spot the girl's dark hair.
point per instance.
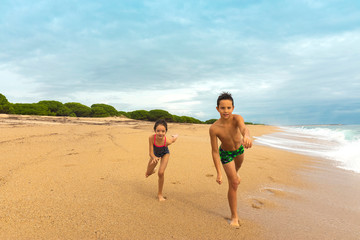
(160, 122)
(225, 96)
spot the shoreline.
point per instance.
(80, 180)
(323, 206)
(328, 203)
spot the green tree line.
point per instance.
(74, 109)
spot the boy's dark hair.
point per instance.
(225, 96)
(160, 122)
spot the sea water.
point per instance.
(339, 143)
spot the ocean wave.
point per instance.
(339, 143)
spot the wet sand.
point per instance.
(78, 178)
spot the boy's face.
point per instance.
(225, 108)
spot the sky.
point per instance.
(284, 61)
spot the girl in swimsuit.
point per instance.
(159, 151)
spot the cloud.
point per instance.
(277, 58)
(16, 88)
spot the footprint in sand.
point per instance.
(176, 182)
(260, 203)
(273, 191)
(2, 181)
(72, 152)
(257, 204)
(271, 179)
(209, 175)
(75, 153)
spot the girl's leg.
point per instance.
(233, 179)
(150, 168)
(163, 164)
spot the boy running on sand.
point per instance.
(230, 129)
(159, 151)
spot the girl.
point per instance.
(159, 151)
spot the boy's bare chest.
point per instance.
(229, 133)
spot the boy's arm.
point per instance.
(247, 141)
(215, 154)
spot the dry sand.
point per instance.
(71, 178)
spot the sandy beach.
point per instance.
(79, 178)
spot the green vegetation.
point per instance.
(210, 121)
(73, 109)
(5, 106)
(139, 115)
(157, 114)
(79, 109)
(56, 108)
(31, 109)
(103, 110)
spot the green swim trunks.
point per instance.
(228, 156)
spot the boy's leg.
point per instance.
(238, 161)
(233, 179)
(163, 165)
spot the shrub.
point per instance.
(56, 108)
(210, 121)
(79, 109)
(64, 111)
(185, 119)
(160, 114)
(99, 112)
(3, 100)
(139, 114)
(73, 109)
(53, 106)
(107, 108)
(178, 119)
(31, 109)
(122, 113)
(5, 106)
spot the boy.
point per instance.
(230, 129)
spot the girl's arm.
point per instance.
(153, 158)
(151, 147)
(172, 139)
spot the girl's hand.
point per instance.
(175, 136)
(155, 160)
(172, 139)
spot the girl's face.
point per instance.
(160, 131)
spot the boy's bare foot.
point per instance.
(161, 198)
(146, 174)
(235, 223)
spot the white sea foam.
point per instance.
(340, 143)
